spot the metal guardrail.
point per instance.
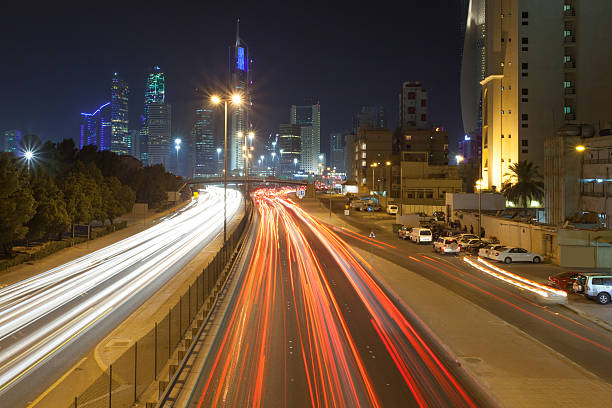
(239, 232)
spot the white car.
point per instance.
(484, 252)
(404, 232)
(420, 235)
(447, 245)
(509, 255)
(392, 209)
(465, 238)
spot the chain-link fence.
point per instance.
(140, 365)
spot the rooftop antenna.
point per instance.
(238, 31)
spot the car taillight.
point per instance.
(496, 253)
(459, 246)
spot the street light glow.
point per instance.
(459, 158)
(177, 141)
(218, 150)
(580, 148)
(251, 135)
(215, 99)
(29, 155)
(236, 99)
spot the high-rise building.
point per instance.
(473, 67)
(96, 127)
(290, 148)
(523, 65)
(159, 133)
(432, 142)
(336, 152)
(155, 88)
(370, 146)
(240, 77)
(135, 142)
(370, 117)
(308, 117)
(10, 141)
(120, 138)
(413, 106)
(204, 143)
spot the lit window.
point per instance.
(363, 146)
(363, 163)
(567, 109)
(363, 155)
(408, 137)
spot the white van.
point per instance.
(421, 235)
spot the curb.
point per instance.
(588, 316)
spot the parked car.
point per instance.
(404, 232)
(509, 255)
(420, 235)
(447, 245)
(597, 287)
(473, 245)
(485, 251)
(464, 238)
(564, 280)
(392, 209)
(357, 204)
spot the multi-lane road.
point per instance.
(48, 322)
(308, 326)
(571, 335)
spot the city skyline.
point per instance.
(279, 81)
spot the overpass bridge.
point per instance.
(250, 180)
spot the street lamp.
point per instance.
(295, 161)
(218, 153)
(580, 148)
(29, 156)
(177, 146)
(373, 165)
(236, 99)
(273, 154)
(459, 158)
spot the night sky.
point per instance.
(57, 62)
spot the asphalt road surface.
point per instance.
(308, 327)
(573, 336)
(48, 322)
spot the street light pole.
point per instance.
(225, 175)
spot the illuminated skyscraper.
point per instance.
(159, 133)
(290, 148)
(10, 140)
(120, 140)
(96, 127)
(308, 117)
(155, 89)
(239, 61)
(204, 141)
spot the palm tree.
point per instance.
(525, 184)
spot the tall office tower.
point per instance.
(155, 92)
(370, 117)
(159, 134)
(120, 138)
(336, 151)
(473, 68)
(204, 143)
(134, 136)
(240, 81)
(290, 148)
(96, 127)
(11, 139)
(413, 106)
(308, 117)
(522, 90)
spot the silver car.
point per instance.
(598, 287)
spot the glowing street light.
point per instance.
(459, 158)
(236, 99)
(29, 156)
(580, 148)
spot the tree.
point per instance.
(51, 215)
(83, 195)
(117, 199)
(525, 184)
(16, 202)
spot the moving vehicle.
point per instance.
(484, 252)
(392, 209)
(597, 287)
(509, 255)
(357, 204)
(404, 232)
(465, 238)
(420, 235)
(447, 245)
(564, 280)
(473, 245)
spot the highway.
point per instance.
(308, 327)
(49, 321)
(569, 334)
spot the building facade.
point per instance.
(240, 82)
(308, 118)
(96, 128)
(425, 184)
(372, 117)
(121, 142)
(155, 93)
(413, 106)
(336, 152)
(434, 142)
(10, 140)
(522, 89)
(205, 159)
(290, 148)
(159, 133)
(372, 148)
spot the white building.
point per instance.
(308, 117)
(413, 106)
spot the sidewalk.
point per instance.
(518, 370)
(381, 224)
(31, 268)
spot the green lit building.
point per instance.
(120, 139)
